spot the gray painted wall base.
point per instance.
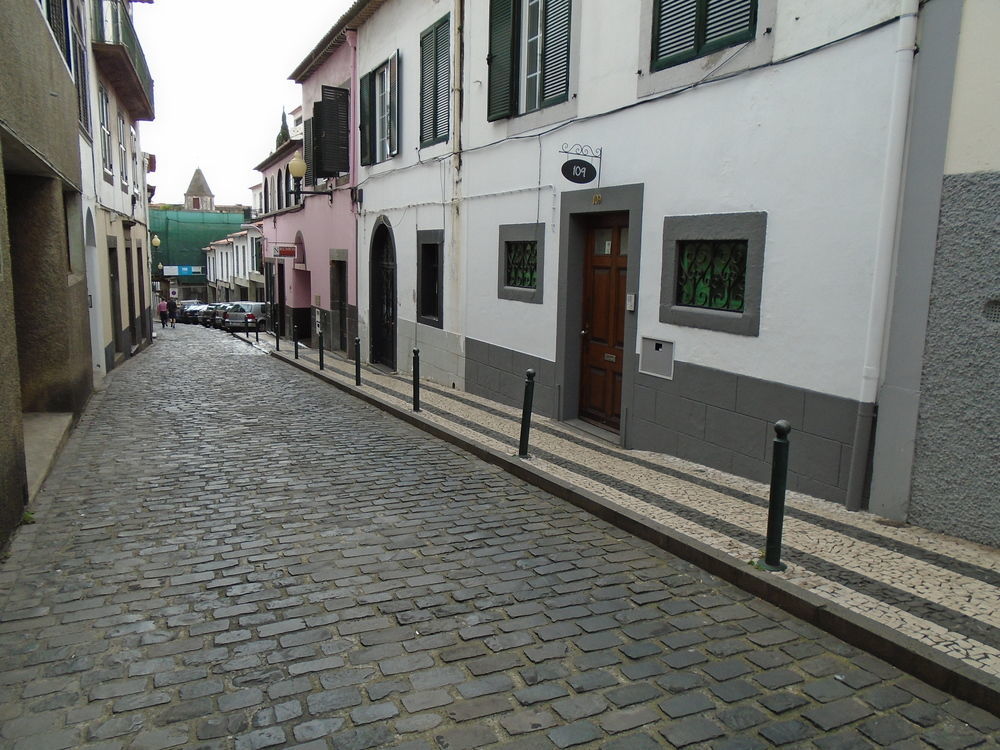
(711, 417)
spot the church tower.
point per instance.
(198, 196)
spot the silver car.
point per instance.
(252, 315)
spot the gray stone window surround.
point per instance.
(749, 226)
(752, 54)
(430, 237)
(521, 233)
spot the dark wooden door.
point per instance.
(603, 336)
(383, 301)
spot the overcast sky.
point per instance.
(220, 70)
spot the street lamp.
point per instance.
(297, 169)
(155, 242)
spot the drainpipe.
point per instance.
(892, 181)
(458, 104)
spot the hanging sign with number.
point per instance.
(578, 170)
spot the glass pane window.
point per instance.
(107, 158)
(521, 264)
(603, 241)
(531, 58)
(382, 113)
(122, 150)
(711, 274)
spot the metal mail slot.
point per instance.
(609, 357)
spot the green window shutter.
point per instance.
(501, 95)
(394, 102)
(331, 118)
(729, 22)
(428, 87)
(674, 31)
(555, 51)
(367, 139)
(309, 148)
(442, 38)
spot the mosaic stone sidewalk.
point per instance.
(939, 590)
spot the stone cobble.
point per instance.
(231, 554)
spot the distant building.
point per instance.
(183, 232)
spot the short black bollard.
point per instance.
(776, 501)
(416, 380)
(529, 393)
(277, 338)
(357, 361)
(319, 332)
(256, 331)
(246, 328)
(295, 338)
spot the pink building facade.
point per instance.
(310, 241)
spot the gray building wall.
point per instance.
(44, 327)
(956, 475)
(715, 418)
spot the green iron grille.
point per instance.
(711, 274)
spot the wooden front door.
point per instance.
(605, 271)
(383, 300)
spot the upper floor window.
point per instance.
(80, 72)
(105, 114)
(435, 82)
(529, 55)
(123, 152)
(686, 29)
(328, 135)
(380, 112)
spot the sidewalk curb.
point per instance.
(939, 670)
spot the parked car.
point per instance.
(190, 313)
(208, 312)
(220, 314)
(253, 314)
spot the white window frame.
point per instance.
(104, 106)
(530, 33)
(383, 94)
(122, 151)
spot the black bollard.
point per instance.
(776, 501)
(295, 338)
(357, 361)
(416, 380)
(529, 393)
(319, 332)
(246, 327)
(256, 331)
(277, 339)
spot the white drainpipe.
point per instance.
(892, 180)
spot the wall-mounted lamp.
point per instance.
(297, 169)
(155, 242)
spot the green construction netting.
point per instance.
(183, 234)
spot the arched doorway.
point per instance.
(383, 295)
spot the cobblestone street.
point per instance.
(232, 554)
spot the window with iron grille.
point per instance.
(520, 263)
(435, 83)
(430, 277)
(686, 29)
(711, 274)
(713, 271)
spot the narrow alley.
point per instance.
(232, 554)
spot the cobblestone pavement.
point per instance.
(941, 591)
(230, 554)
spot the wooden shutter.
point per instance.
(428, 86)
(674, 27)
(729, 21)
(442, 38)
(394, 104)
(501, 98)
(556, 17)
(367, 126)
(331, 125)
(307, 145)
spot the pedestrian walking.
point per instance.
(172, 312)
(162, 309)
